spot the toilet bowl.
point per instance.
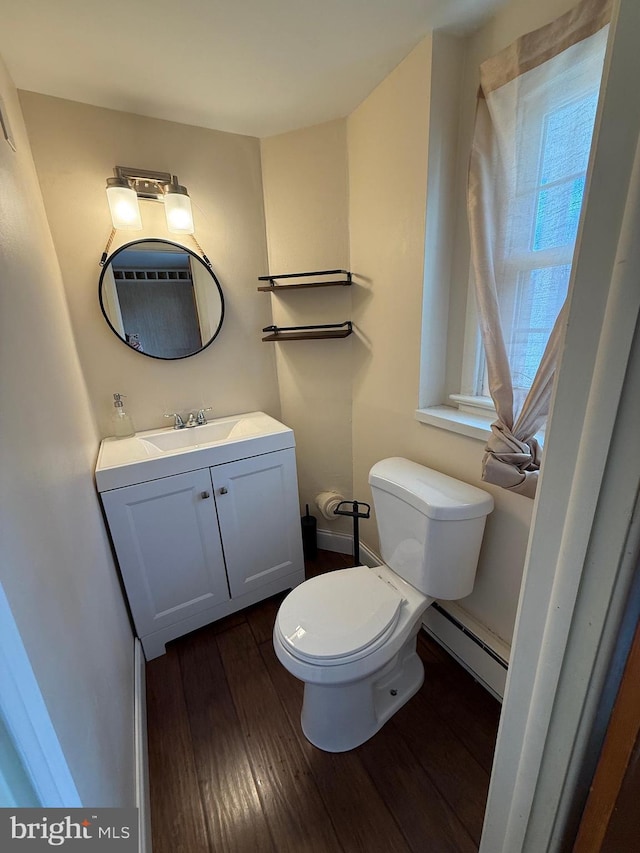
(363, 666)
(350, 635)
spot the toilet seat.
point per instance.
(339, 617)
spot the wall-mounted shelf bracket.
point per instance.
(274, 285)
(308, 333)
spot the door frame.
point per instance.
(27, 720)
(581, 554)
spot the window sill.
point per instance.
(476, 426)
(472, 424)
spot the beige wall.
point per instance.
(350, 193)
(56, 566)
(305, 194)
(388, 142)
(75, 148)
(352, 402)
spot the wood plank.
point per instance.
(622, 828)
(327, 561)
(225, 741)
(427, 820)
(177, 818)
(615, 759)
(227, 622)
(344, 784)
(463, 704)
(290, 799)
(454, 771)
(262, 617)
(228, 791)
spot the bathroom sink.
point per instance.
(178, 439)
(152, 454)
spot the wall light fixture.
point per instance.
(128, 185)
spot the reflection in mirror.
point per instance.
(161, 299)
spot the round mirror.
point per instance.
(161, 299)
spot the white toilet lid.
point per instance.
(338, 614)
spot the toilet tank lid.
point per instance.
(434, 494)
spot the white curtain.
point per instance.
(522, 230)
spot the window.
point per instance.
(527, 177)
(541, 234)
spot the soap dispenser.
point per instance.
(122, 423)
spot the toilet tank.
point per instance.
(430, 526)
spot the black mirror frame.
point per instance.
(194, 255)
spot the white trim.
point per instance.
(474, 421)
(27, 719)
(474, 362)
(474, 404)
(143, 801)
(464, 423)
(369, 557)
(341, 543)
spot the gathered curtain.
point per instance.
(511, 218)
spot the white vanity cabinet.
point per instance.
(196, 546)
(259, 518)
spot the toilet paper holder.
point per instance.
(356, 514)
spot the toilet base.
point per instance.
(341, 717)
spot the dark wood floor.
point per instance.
(231, 771)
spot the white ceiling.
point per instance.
(256, 67)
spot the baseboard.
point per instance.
(475, 648)
(342, 543)
(143, 802)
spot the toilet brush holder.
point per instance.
(309, 536)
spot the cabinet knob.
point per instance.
(223, 490)
(204, 495)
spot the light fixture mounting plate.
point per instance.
(146, 183)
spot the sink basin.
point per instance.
(159, 453)
(179, 439)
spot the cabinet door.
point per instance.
(259, 515)
(168, 544)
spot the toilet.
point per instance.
(350, 635)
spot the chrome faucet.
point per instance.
(193, 420)
(201, 418)
(178, 423)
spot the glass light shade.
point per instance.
(177, 208)
(125, 212)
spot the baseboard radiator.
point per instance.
(484, 656)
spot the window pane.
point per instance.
(566, 133)
(541, 293)
(567, 139)
(558, 214)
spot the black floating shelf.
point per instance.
(308, 333)
(273, 280)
